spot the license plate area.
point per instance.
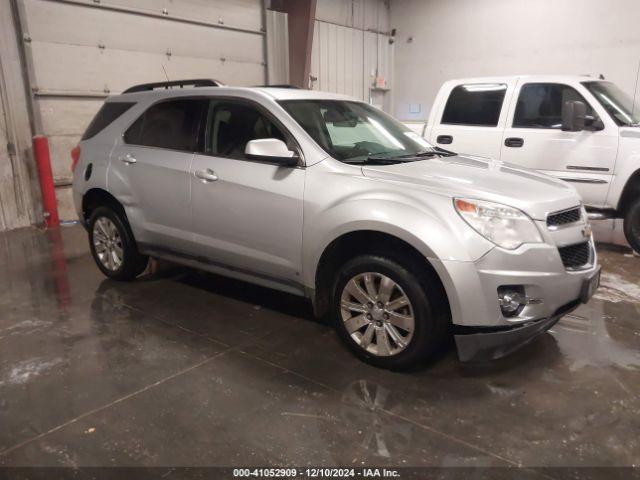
(590, 286)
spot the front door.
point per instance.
(247, 215)
(534, 138)
(149, 172)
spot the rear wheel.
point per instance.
(387, 314)
(113, 246)
(632, 225)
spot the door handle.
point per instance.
(207, 175)
(128, 159)
(514, 142)
(445, 139)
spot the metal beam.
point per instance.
(301, 20)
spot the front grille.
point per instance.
(575, 256)
(565, 217)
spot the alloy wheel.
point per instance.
(377, 314)
(108, 244)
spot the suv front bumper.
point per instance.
(481, 330)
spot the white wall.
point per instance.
(462, 38)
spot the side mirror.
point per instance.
(597, 125)
(573, 116)
(271, 150)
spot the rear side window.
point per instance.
(173, 124)
(105, 116)
(540, 105)
(475, 104)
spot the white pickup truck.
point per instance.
(580, 129)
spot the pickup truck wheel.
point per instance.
(113, 247)
(388, 315)
(632, 225)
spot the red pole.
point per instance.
(45, 174)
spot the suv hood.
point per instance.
(534, 193)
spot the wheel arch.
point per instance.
(364, 241)
(98, 197)
(630, 191)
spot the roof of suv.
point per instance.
(274, 93)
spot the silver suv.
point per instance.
(399, 243)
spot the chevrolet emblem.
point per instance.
(586, 231)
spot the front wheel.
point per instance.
(389, 315)
(632, 225)
(113, 246)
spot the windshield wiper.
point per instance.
(384, 159)
(436, 151)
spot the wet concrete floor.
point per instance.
(187, 368)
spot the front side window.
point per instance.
(618, 104)
(540, 105)
(475, 104)
(355, 131)
(171, 124)
(233, 124)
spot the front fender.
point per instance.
(434, 229)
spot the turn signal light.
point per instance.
(75, 157)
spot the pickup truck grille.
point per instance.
(576, 256)
(565, 217)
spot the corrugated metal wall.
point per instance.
(18, 180)
(81, 50)
(351, 48)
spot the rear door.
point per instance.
(472, 119)
(247, 214)
(534, 138)
(149, 172)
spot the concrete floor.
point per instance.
(186, 368)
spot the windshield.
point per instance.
(355, 132)
(617, 103)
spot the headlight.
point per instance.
(505, 226)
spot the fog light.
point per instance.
(512, 299)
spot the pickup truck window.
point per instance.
(475, 104)
(354, 131)
(617, 103)
(540, 105)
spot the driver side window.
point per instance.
(540, 106)
(233, 124)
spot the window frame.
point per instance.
(167, 100)
(519, 92)
(291, 141)
(477, 125)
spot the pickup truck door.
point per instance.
(470, 118)
(246, 214)
(534, 139)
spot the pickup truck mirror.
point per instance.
(573, 116)
(271, 150)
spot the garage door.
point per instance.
(82, 50)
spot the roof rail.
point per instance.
(278, 86)
(199, 82)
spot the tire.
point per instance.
(109, 233)
(427, 305)
(632, 225)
